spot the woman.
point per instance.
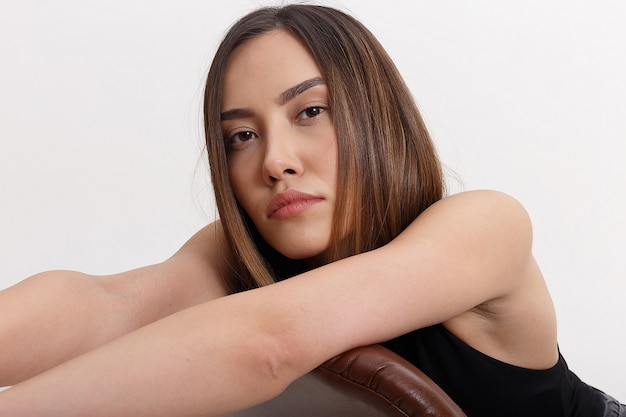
(323, 174)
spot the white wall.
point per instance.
(99, 134)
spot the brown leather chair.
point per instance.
(370, 381)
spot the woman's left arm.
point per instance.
(237, 351)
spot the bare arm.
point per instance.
(239, 350)
(57, 315)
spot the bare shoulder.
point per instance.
(205, 246)
(203, 257)
(475, 221)
(201, 263)
(488, 205)
(193, 275)
(492, 232)
(487, 233)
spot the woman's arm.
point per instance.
(240, 350)
(56, 315)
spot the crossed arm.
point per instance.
(54, 316)
(163, 350)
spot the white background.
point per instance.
(101, 167)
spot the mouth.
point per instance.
(290, 204)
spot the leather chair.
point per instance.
(369, 381)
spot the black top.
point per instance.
(486, 387)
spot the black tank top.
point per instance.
(486, 387)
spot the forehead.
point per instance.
(266, 64)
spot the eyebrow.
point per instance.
(283, 98)
(298, 89)
(235, 114)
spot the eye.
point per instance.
(311, 112)
(240, 137)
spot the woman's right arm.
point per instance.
(54, 316)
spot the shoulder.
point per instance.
(476, 243)
(193, 275)
(203, 256)
(485, 204)
(480, 219)
(491, 232)
(207, 243)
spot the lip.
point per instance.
(289, 204)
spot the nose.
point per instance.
(281, 159)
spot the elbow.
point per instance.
(275, 362)
(276, 355)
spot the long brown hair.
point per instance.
(388, 169)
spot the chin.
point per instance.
(301, 252)
(299, 243)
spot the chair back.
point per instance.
(369, 381)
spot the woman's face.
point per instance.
(281, 142)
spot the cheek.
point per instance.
(329, 160)
(238, 183)
(245, 183)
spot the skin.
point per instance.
(164, 340)
(278, 144)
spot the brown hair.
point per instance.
(389, 171)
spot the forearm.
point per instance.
(202, 361)
(52, 317)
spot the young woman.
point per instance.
(329, 189)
